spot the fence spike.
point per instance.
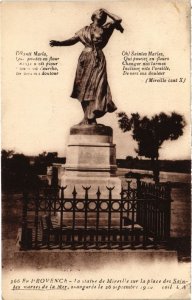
(74, 193)
(122, 192)
(62, 192)
(86, 188)
(86, 191)
(98, 192)
(129, 181)
(62, 187)
(110, 188)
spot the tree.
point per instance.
(43, 160)
(6, 157)
(17, 173)
(6, 154)
(15, 168)
(150, 133)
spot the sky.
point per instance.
(37, 111)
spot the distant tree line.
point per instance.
(179, 166)
(19, 171)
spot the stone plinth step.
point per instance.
(91, 259)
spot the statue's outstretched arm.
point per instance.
(70, 42)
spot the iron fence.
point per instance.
(140, 218)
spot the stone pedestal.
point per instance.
(91, 161)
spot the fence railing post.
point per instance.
(86, 219)
(61, 218)
(55, 195)
(97, 217)
(121, 218)
(48, 221)
(109, 216)
(128, 186)
(132, 223)
(36, 218)
(73, 221)
(24, 237)
(168, 211)
(157, 228)
(138, 187)
(145, 229)
(138, 204)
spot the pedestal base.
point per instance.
(91, 162)
(94, 182)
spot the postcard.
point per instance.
(96, 149)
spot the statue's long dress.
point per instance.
(91, 87)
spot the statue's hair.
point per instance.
(104, 16)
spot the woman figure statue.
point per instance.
(91, 87)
